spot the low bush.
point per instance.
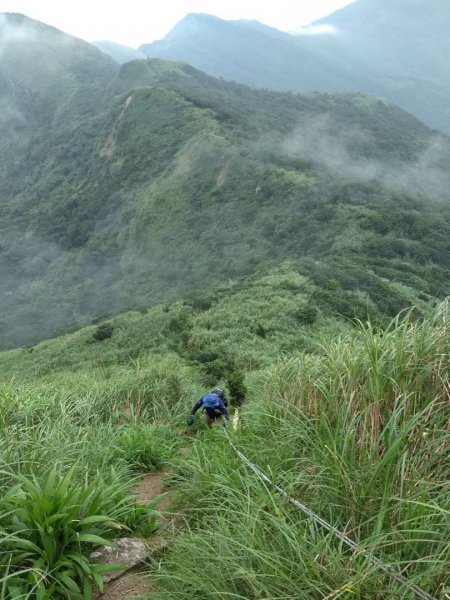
(146, 448)
(103, 332)
(49, 527)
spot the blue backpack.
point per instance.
(212, 401)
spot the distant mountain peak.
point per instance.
(203, 17)
(20, 20)
(193, 22)
(118, 52)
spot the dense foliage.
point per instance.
(264, 242)
(165, 181)
(395, 49)
(359, 433)
(352, 420)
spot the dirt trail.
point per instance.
(150, 486)
(134, 583)
(110, 145)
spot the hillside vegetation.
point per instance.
(165, 181)
(290, 249)
(396, 49)
(350, 419)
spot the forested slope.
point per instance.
(396, 49)
(146, 182)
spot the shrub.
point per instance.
(306, 315)
(236, 386)
(103, 332)
(260, 330)
(49, 528)
(146, 448)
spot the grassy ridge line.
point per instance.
(248, 322)
(314, 423)
(251, 322)
(360, 433)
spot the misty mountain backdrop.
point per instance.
(123, 186)
(397, 49)
(121, 54)
(176, 233)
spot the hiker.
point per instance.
(214, 406)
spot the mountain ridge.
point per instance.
(288, 249)
(118, 52)
(236, 40)
(109, 199)
(266, 58)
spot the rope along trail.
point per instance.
(419, 592)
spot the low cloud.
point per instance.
(13, 30)
(344, 152)
(10, 114)
(318, 140)
(317, 30)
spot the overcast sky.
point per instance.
(134, 22)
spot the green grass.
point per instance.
(359, 433)
(165, 182)
(353, 423)
(251, 321)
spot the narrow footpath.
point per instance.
(135, 582)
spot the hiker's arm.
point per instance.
(226, 413)
(197, 406)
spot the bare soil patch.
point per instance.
(150, 487)
(132, 585)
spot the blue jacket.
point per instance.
(213, 412)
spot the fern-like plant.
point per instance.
(47, 531)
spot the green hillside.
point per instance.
(395, 49)
(247, 323)
(164, 181)
(183, 233)
(348, 418)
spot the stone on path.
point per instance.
(129, 552)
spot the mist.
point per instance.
(343, 151)
(317, 30)
(10, 115)
(14, 32)
(46, 289)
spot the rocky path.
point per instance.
(134, 583)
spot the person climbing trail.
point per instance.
(214, 406)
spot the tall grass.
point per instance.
(98, 429)
(359, 432)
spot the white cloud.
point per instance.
(137, 22)
(341, 151)
(317, 30)
(10, 34)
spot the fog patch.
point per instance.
(14, 31)
(343, 151)
(10, 114)
(317, 139)
(46, 290)
(317, 30)
(430, 173)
